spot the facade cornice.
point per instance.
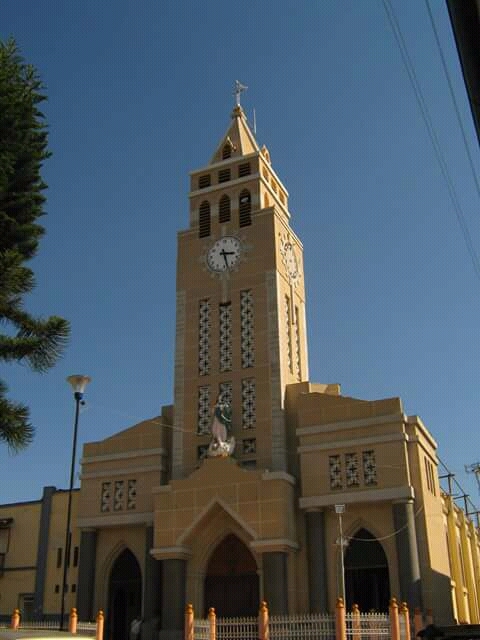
(357, 497)
(358, 423)
(115, 520)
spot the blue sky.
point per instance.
(140, 93)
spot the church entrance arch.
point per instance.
(124, 596)
(231, 581)
(367, 580)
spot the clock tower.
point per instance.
(240, 328)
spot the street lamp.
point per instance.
(78, 385)
(340, 510)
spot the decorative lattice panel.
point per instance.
(352, 471)
(249, 403)
(118, 495)
(132, 494)
(369, 467)
(204, 327)
(247, 329)
(204, 417)
(225, 391)
(225, 313)
(335, 471)
(249, 446)
(288, 322)
(106, 496)
(298, 355)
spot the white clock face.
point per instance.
(290, 261)
(224, 254)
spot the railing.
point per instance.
(237, 628)
(367, 626)
(93, 629)
(309, 626)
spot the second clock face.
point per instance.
(224, 254)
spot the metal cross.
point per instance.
(239, 87)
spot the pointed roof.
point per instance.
(238, 136)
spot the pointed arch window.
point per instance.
(226, 151)
(224, 209)
(245, 208)
(204, 220)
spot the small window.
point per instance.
(59, 557)
(57, 588)
(224, 209)
(224, 175)
(244, 169)
(227, 151)
(204, 221)
(245, 209)
(75, 556)
(74, 588)
(204, 181)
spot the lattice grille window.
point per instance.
(118, 495)
(335, 472)
(224, 209)
(204, 326)
(243, 169)
(204, 181)
(247, 329)
(204, 417)
(204, 220)
(225, 391)
(369, 467)
(224, 175)
(225, 312)
(249, 403)
(132, 494)
(245, 209)
(298, 358)
(352, 471)
(288, 321)
(105, 498)
(227, 150)
(249, 446)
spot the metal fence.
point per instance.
(367, 626)
(302, 627)
(237, 628)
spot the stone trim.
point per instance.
(349, 424)
(125, 471)
(274, 544)
(340, 444)
(134, 453)
(279, 475)
(115, 520)
(355, 497)
(171, 553)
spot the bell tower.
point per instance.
(240, 325)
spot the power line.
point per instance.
(410, 69)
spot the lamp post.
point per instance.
(78, 385)
(340, 510)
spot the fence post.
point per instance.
(340, 623)
(394, 622)
(212, 624)
(189, 622)
(100, 623)
(72, 621)
(417, 620)
(15, 621)
(405, 620)
(355, 622)
(263, 630)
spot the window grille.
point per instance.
(204, 220)
(204, 181)
(224, 175)
(245, 209)
(244, 169)
(227, 151)
(224, 209)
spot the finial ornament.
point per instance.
(239, 87)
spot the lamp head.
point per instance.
(78, 384)
(339, 509)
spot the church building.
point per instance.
(256, 480)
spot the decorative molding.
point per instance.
(133, 453)
(354, 442)
(125, 471)
(279, 475)
(171, 553)
(274, 544)
(115, 520)
(349, 424)
(357, 497)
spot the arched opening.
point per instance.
(231, 581)
(224, 209)
(124, 596)
(367, 580)
(245, 208)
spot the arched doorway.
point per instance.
(124, 596)
(231, 581)
(367, 581)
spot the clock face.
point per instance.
(290, 261)
(224, 254)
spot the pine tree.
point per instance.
(33, 341)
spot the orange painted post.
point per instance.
(15, 621)
(263, 631)
(417, 620)
(394, 621)
(405, 621)
(189, 616)
(340, 622)
(72, 621)
(212, 624)
(355, 622)
(100, 624)
(429, 617)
